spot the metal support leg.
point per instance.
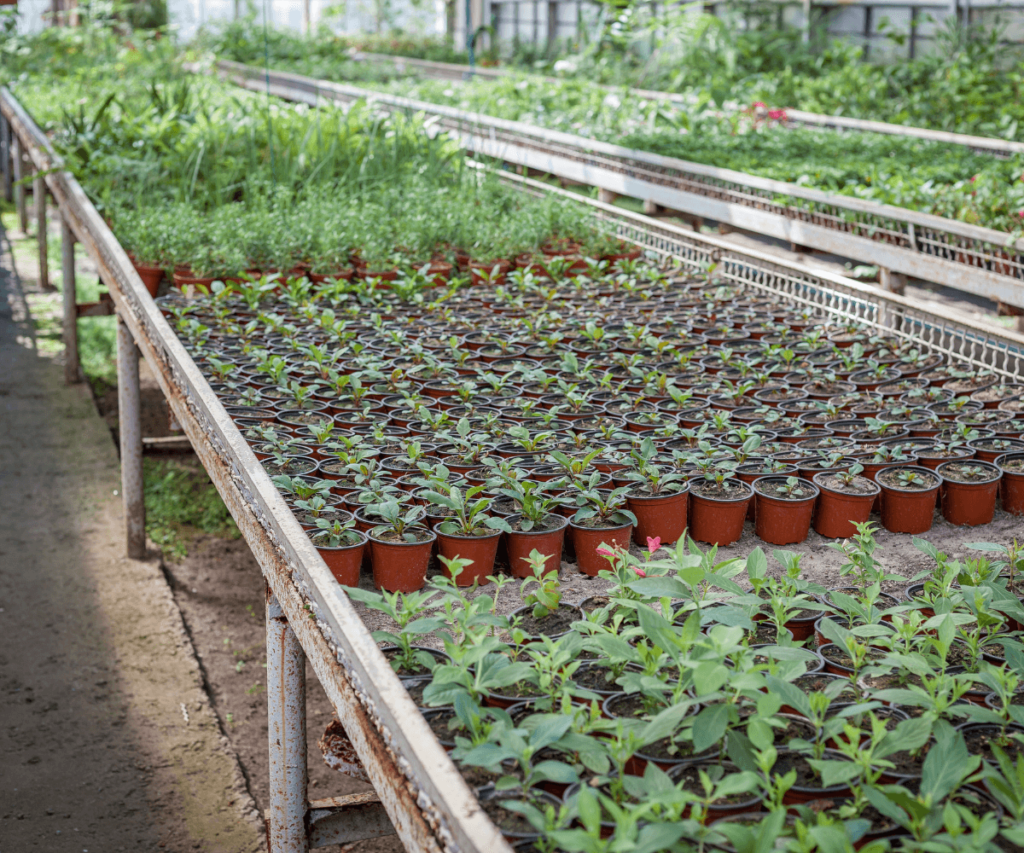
(607, 196)
(19, 187)
(130, 429)
(286, 702)
(5, 156)
(39, 200)
(67, 254)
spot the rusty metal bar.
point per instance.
(39, 200)
(343, 820)
(67, 255)
(129, 428)
(286, 716)
(19, 187)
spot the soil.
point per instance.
(889, 478)
(403, 671)
(689, 779)
(504, 819)
(835, 654)
(596, 678)
(398, 538)
(860, 486)
(550, 522)
(980, 740)
(1013, 465)
(962, 472)
(780, 490)
(816, 682)
(806, 776)
(551, 625)
(723, 492)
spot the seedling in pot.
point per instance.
(300, 488)
(335, 534)
(534, 504)
(405, 526)
(546, 597)
(470, 516)
(601, 508)
(792, 489)
(409, 612)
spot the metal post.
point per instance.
(39, 199)
(286, 707)
(67, 255)
(19, 187)
(5, 156)
(129, 426)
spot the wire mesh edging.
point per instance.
(806, 289)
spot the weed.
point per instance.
(181, 502)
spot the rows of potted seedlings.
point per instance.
(703, 704)
(551, 406)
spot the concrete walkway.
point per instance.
(107, 739)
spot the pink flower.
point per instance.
(777, 115)
(759, 105)
(641, 572)
(974, 179)
(1020, 213)
(605, 552)
(653, 544)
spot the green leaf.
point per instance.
(589, 810)
(556, 771)
(709, 726)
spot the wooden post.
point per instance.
(67, 246)
(19, 187)
(39, 199)
(894, 282)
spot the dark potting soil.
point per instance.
(893, 680)
(980, 741)
(635, 706)
(415, 690)
(906, 764)
(779, 490)
(816, 682)
(890, 478)
(1013, 465)
(552, 522)
(439, 724)
(520, 690)
(860, 486)
(477, 777)
(551, 625)
(405, 669)
(837, 655)
(392, 536)
(504, 819)
(594, 603)
(597, 524)
(806, 775)
(796, 727)
(963, 472)
(596, 678)
(291, 467)
(719, 491)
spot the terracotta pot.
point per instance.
(779, 521)
(588, 539)
(1011, 487)
(401, 566)
(970, 504)
(344, 561)
(716, 521)
(659, 516)
(480, 549)
(837, 511)
(905, 511)
(549, 542)
(151, 276)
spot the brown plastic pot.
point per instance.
(970, 504)
(1011, 487)
(906, 511)
(549, 542)
(400, 566)
(779, 521)
(659, 516)
(344, 561)
(151, 276)
(838, 511)
(717, 521)
(482, 550)
(588, 539)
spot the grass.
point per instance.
(182, 503)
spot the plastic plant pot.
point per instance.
(587, 540)
(782, 520)
(840, 507)
(969, 492)
(482, 550)
(659, 516)
(1011, 487)
(908, 510)
(548, 541)
(344, 561)
(400, 566)
(719, 520)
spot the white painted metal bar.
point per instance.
(286, 716)
(794, 117)
(975, 260)
(129, 428)
(70, 302)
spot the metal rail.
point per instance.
(794, 117)
(426, 799)
(961, 256)
(419, 792)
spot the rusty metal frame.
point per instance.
(975, 260)
(426, 799)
